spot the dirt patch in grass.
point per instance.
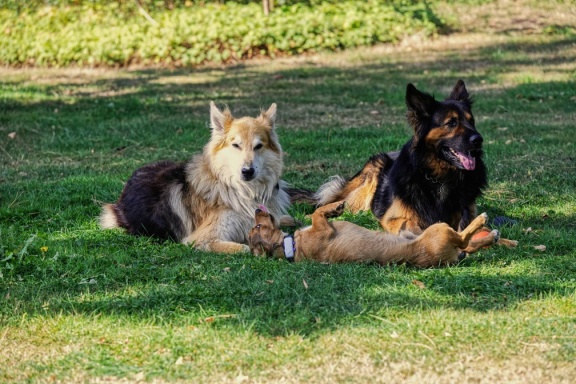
(511, 16)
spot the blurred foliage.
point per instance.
(117, 34)
(27, 5)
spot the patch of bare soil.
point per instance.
(512, 16)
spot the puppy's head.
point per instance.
(265, 238)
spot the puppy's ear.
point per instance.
(420, 105)
(275, 223)
(219, 121)
(270, 115)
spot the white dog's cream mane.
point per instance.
(240, 196)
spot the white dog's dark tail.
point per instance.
(301, 195)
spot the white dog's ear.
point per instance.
(219, 121)
(270, 115)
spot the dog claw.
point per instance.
(335, 212)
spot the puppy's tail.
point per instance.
(109, 217)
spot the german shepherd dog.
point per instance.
(342, 241)
(436, 177)
(208, 201)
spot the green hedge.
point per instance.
(111, 36)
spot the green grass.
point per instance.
(78, 304)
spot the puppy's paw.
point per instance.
(334, 209)
(339, 209)
(484, 217)
(496, 234)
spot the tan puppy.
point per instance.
(342, 241)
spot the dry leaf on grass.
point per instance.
(305, 283)
(210, 319)
(419, 284)
(540, 248)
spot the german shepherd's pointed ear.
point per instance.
(270, 115)
(460, 93)
(420, 105)
(220, 121)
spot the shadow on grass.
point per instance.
(113, 274)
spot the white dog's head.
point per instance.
(244, 150)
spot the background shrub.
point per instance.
(96, 33)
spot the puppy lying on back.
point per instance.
(342, 241)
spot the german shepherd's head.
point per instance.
(444, 131)
(245, 151)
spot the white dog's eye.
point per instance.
(235, 145)
(258, 146)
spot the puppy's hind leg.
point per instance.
(470, 245)
(474, 226)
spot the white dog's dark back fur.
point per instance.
(210, 200)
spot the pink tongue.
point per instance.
(263, 208)
(468, 162)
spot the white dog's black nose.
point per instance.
(247, 173)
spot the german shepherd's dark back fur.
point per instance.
(436, 177)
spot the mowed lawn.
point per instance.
(78, 304)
